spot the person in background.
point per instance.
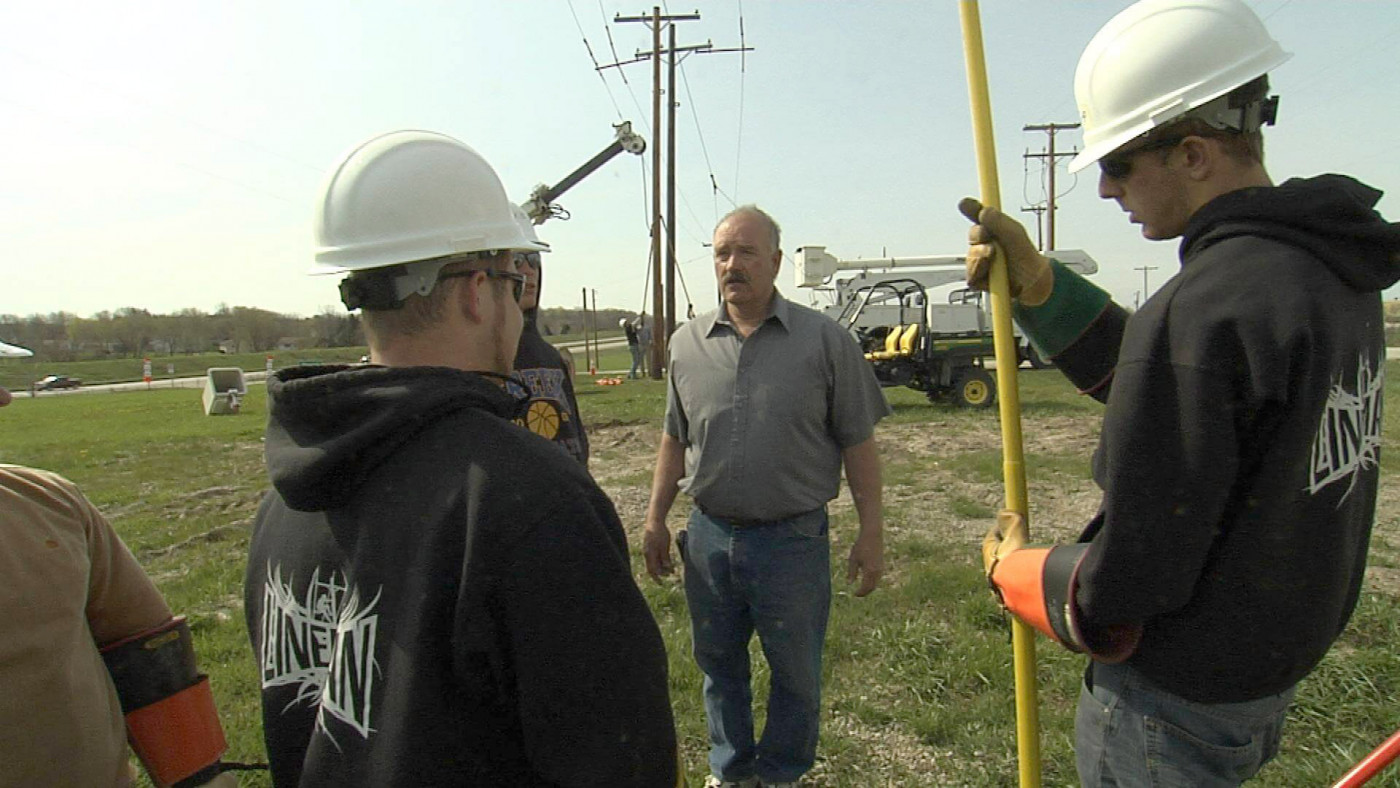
(91, 657)
(435, 596)
(633, 346)
(767, 400)
(1239, 452)
(553, 409)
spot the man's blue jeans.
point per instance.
(1131, 733)
(775, 579)
(636, 360)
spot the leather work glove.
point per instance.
(1006, 535)
(1028, 270)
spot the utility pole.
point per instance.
(1144, 269)
(1050, 157)
(1038, 210)
(664, 292)
(659, 291)
(671, 190)
(597, 352)
(587, 352)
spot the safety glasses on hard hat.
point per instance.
(531, 259)
(517, 280)
(1119, 164)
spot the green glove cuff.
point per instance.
(1072, 307)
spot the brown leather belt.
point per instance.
(740, 522)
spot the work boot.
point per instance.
(715, 782)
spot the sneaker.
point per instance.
(715, 782)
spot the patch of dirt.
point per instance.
(625, 455)
(1383, 563)
(1061, 503)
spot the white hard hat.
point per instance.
(1159, 59)
(408, 196)
(527, 228)
(622, 323)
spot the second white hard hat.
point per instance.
(1160, 59)
(527, 228)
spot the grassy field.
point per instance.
(918, 676)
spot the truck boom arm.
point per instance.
(540, 206)
(815, 267)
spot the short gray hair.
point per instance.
(754, 210)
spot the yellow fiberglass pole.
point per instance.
(1013, 462)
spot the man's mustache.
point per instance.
(736, 278)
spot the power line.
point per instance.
(681, 275)
(641, 113)
(743, 69)
(722, 192)
(695, 113)
(739, 140)
(646, 206)
(607, 29)
(591, 57)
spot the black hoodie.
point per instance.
(1240, 447)
(437, 597)
(553, 409)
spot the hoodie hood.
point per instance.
(330, 426)
(532, 315)
(1333, 217)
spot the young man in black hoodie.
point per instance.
(1239, 450)
(553, 409)
(434, 595)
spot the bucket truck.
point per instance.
(937, 348)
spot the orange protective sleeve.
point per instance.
(1019, 577)
(177, 736)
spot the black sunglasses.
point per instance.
(527, 258)
(1119, 165)
(517, 280)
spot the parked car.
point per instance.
(55, 382)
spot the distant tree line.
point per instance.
(132, 332)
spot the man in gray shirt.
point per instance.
(767, 400)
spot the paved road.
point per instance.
(157, 383)
(259, 376)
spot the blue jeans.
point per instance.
(775, 579)
(1131, 733)
(636, 360)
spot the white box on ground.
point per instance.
(224, 390)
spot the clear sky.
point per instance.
(167, 154)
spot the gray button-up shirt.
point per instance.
(764, 419)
